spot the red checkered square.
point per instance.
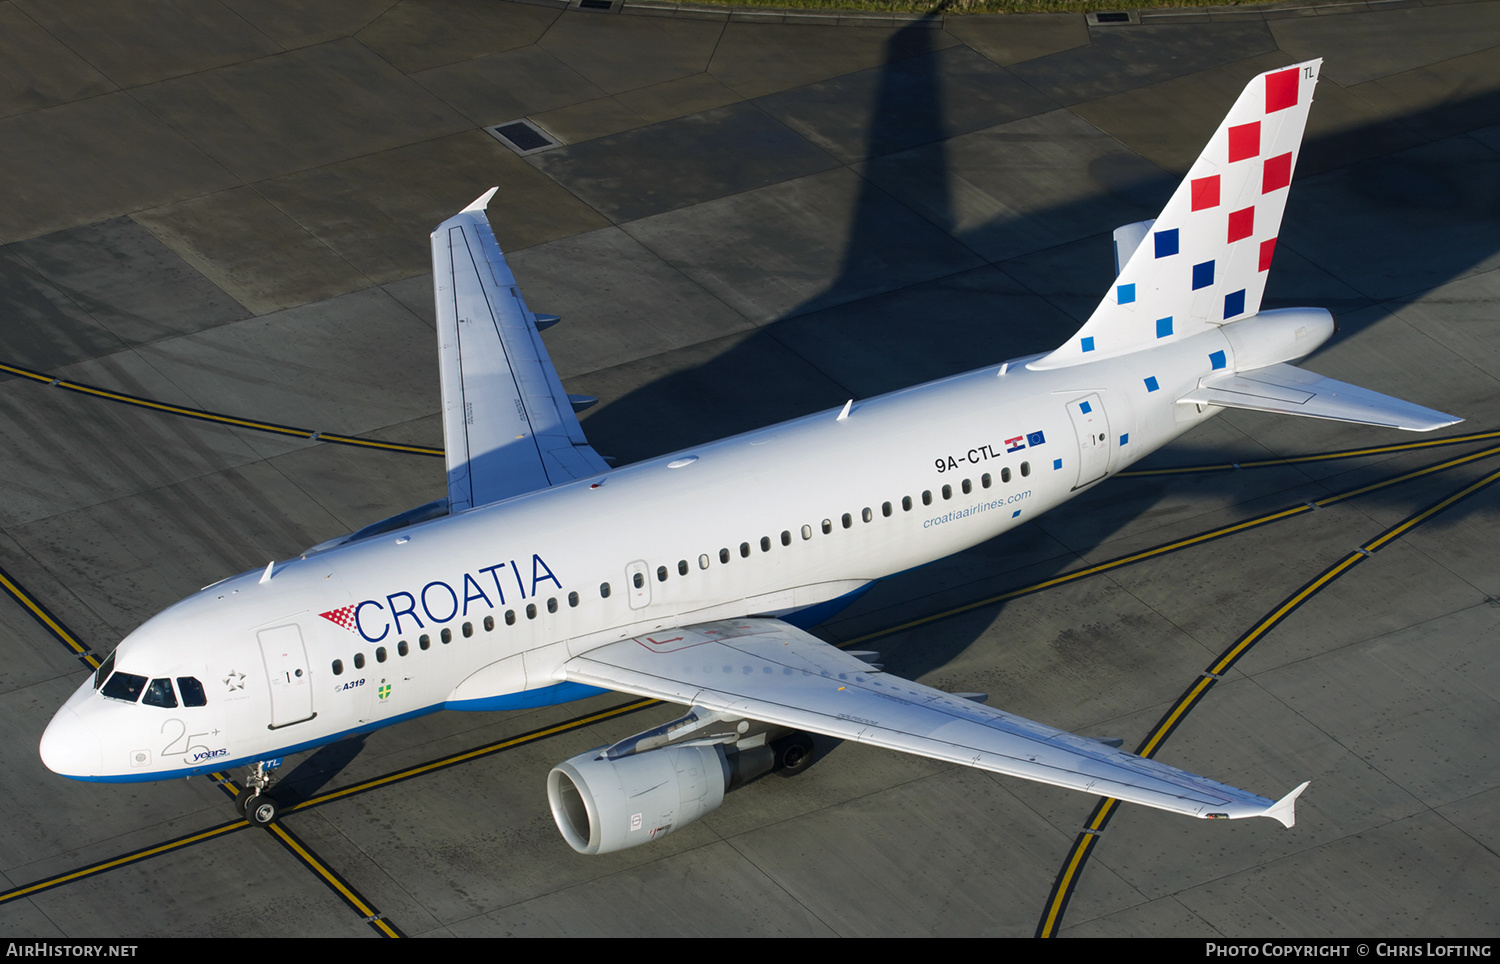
(1244, 141)
(1267, 248)
(1205, 192)
(1277, 173)
(1241, 224)
(1281, 90)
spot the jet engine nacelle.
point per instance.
(603, 805)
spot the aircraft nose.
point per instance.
(69, 747)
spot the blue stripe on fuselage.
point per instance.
(529, 699)
(553, 695)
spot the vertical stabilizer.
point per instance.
(1205, 259)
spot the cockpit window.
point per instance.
(105, 668)
(159, 693)
(192, 691)
(124, 686)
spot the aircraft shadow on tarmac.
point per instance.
(1410, 185)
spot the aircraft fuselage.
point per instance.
(479, 610)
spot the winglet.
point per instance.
(481, 202)
(1284, 810)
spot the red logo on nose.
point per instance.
(343, 617)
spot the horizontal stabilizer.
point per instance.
(1289, 390)
(1127, 238)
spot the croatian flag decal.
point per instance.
(1015, 444)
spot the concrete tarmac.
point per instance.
(748, 217)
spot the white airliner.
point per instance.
(546, 576)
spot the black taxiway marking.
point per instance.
(207, 416)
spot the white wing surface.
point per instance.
(766, 670)
(508, 426)
(1288, 390)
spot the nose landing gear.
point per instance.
(255, 804)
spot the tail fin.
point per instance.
(1204, 260)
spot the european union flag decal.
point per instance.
(1035, 438)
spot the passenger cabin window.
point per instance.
(906, 503)
(947, 492)
(1005, 474)
(866, 514)
(402, 649)
(827, 526)
(446, 636)
(885, 509)
(604, 590)
(927, 497)
(359, 660)
(806, 532)
(682, 567)
(159, 693)
(1025, 469)
(425, 641)
(744, 550)
(786, 537)
(703, 561)
(848, 520)
(661, 573)
(338, 668)
(765, 543)
(552, 604)
(968, 487)
(380, 653)
(468, 631)
(572, 600)
(984, 480)
(723, 555)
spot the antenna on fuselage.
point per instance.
(265, 577)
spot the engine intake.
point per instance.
(603, 805)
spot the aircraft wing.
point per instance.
(508, 426)
(767, 670)
(1289, 390)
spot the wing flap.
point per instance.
(1289, 390)
(766, 670)
(508, 427)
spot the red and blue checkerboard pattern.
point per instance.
(1208, 253)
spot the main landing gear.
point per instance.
(255, 804)
(794, 754)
